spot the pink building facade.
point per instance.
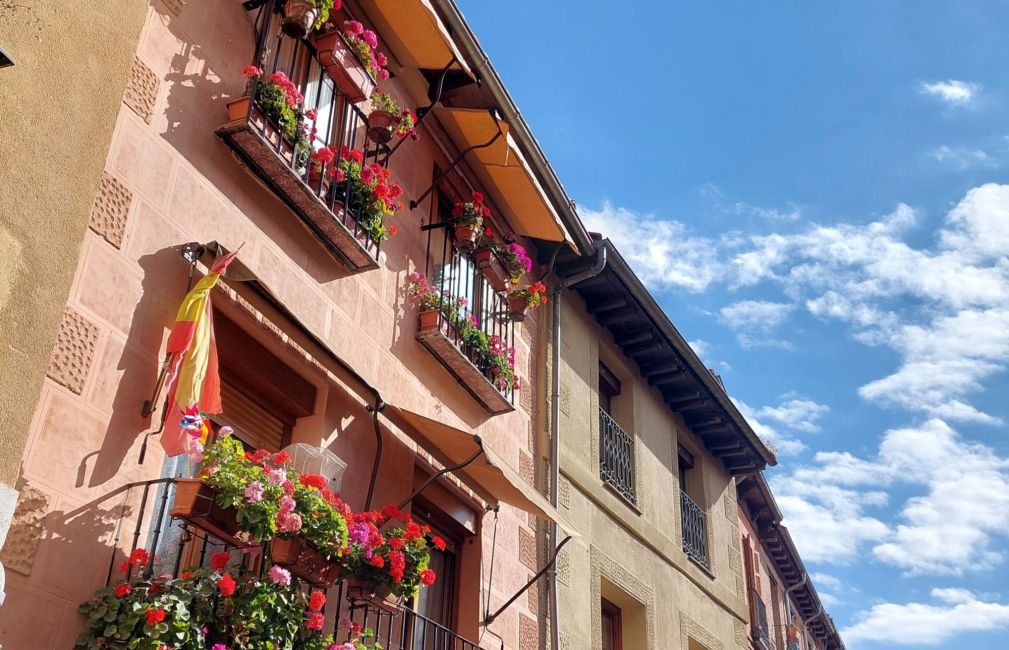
(316, 329)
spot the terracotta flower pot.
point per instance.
(342, 66)
(380, 126)
(196, 503)
(377, 595)
(299, 17)
(517, 307)
(300, 558)
(428, 320)
(465, 237)
(493, 269)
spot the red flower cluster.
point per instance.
(291, 92)
(281, 458)
(315, 621)
(219, 560)
(123, 590)
(471, 213)
(316, 601)
(427, 577)
(138, 557)
(226, 585)
(154, 615)
(317, 481)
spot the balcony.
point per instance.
(282, 164)
(616, 457)
(693, 521)
(180, 545)
(759, 623)
(456, 274)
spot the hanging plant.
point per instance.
(302, 16)
(467, 222)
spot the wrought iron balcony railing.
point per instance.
(178, 545)
(456, 276)
(693, 521)
(616, 457)
(324, 205)
(760, 629)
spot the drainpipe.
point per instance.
(555, 429)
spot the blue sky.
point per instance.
(817, 195)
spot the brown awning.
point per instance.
(505, 173)
(488, 475)
(416, 34)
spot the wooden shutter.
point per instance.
(255, 425)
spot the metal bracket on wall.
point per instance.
(455, 163)
(539, 574)
(6, 61)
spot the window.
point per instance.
(611, 623)
(616, 446)
(609, 388)
(693, 518)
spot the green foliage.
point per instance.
(322, 525)
(226, 468)
(273, 100)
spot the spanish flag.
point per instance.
(194, 385)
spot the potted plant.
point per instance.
(522, 299)
(388, 555)
(301, 16)
(277, 113)
(502, 264)
(351, 59)
(387, 119)
(317, 531)
(427, 299)
(467, 222)
(368, 192)
(213, 608)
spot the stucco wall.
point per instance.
(638, 552)
(71, 60)
(165, 180)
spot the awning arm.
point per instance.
(424, 111)
(455, 163)
(431, 479)
(539, 574)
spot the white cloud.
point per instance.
(701, 348)
(798, 414)
(660, 251)
(782, 444)
(956, 612)
(952, 91)
(963, 157)
(753, 320)
(947, 529)
(943, 308)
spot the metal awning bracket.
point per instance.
(455, 163)
(539, 574)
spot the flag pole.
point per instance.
(191, 252)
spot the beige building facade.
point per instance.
(649, 448)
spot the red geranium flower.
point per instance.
(314, 480)
(438, 542)
(316, 601)
(219, 560)
(281, 458)
(396, 542)
(315, 621)
(123, 590)
(154, 615)
(427, 577)
(226, 585)
(377, 561)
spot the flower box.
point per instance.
(432, 335)
(269, 157)
(465, 236)
(517, 307)
(489, 262)
(300, 558)
(379, 596)
(196, 503)
(343, 66)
